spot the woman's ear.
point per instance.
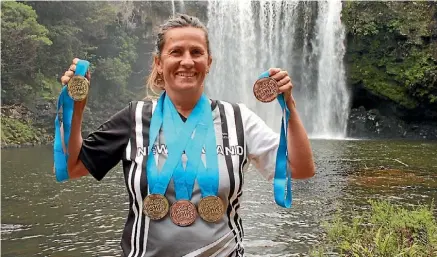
(209, 62)
(158, 63)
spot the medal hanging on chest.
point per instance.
(183, 138)
(210, 207)
(183, 212)
(156, 205)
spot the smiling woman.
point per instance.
(185, 189)
(183, 63)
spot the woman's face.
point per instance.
(184, 60)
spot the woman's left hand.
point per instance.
(285, 85)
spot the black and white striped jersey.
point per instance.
(241, 137)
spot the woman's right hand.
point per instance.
(70, 73)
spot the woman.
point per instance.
(181, 63)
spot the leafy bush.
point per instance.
(385, 230)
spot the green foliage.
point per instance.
(360, 18)
(89, 30)
(48, 89)
(418, 72)
(376, 80)
(22, 37)
(20, 19)
(14, 131)
(392, 50)
(414, 20)
(112, 74)
(384, 230)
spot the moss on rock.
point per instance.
(19, 132)
(391, 51)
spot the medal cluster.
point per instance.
(189, 137)
(183, 212)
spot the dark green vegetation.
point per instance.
(391, 57)
(39, 40)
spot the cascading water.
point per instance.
(181, 7)
(304, 38)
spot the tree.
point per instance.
(22, 38)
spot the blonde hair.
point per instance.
(155, 81)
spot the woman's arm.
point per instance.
(299, 149)
(263, 142)
(103, 148)
(76, 168)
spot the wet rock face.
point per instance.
(372, 124)
(44, 114)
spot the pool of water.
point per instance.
(41, 217)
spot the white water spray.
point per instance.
(305, 38)
(181, 7)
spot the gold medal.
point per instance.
(183, 213)
(211, 208)
(78, 87)
(266, 89)
(155, 206)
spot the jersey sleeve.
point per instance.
(104, 148)
(262, 142)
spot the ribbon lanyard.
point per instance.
(282, 181)
(184, 178)
(208, 177)
(60, 157)
(158, 181)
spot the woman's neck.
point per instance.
(184, 103)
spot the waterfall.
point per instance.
(304, 38)
(331, 84)
(181, 7)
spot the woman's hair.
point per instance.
(155, 80)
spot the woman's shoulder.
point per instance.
(240, 107)
(132, 108)
(143, 103)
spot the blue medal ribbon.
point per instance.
(184, 179)
(282, 181)
(158, 181)
(67, 104)
(208, 177)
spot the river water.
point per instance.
(41, 217)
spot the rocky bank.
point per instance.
(24, 126)
(372, 124)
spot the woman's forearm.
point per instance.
(75, 166)
(299, 149)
